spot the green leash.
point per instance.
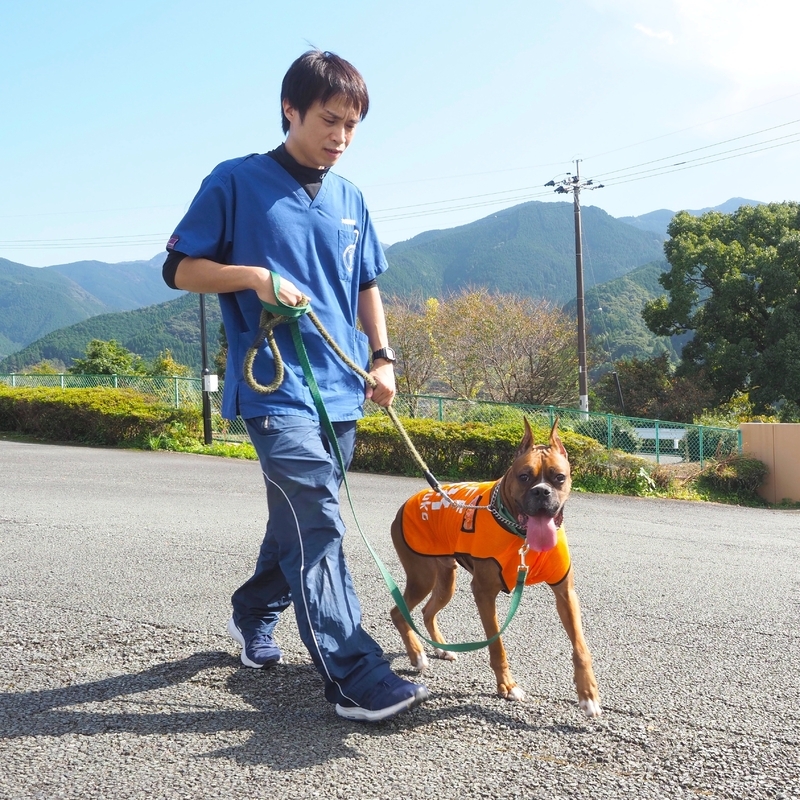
(274, 315)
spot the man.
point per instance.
(284, 212)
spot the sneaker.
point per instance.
(258, 650)
(387, 698)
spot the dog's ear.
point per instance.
(527, 438)
(555, 440)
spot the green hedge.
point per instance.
(452, 450)
(99, 415)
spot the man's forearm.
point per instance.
(208, 277)
(204, 276)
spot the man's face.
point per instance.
(319, 139)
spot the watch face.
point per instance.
(386, 353)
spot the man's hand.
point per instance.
(288, 294)
(384, 392)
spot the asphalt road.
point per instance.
(117, 679)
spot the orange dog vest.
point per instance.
(432, 527)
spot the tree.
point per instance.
(43, 368)
(411, 324)
(480, 344)
(733, 283)
(107, 358)
(221, 356)
(651, 389)
(464, 337)
(165, 364)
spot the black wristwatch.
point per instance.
(386, 353)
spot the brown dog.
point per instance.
(484, 534)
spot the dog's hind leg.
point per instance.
(442, 594)
(570, 613)
(420, 580)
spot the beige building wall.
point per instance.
(778, 446)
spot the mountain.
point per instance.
(657, 221)
(173, 326)
(614, 323)
(122, 286)
(613, 317)
(35, 301)
(528, 249)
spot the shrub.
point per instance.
(736, 474)
(614, 472)
(100, 415)
(455, 451)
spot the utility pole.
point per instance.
(210, 382)
(573, 185)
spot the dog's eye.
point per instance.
(524, 477)
(560, 478)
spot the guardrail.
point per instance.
(660, 441)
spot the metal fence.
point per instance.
(657, 440)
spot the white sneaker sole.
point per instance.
(365, 715)
(237, 637)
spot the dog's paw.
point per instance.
(515, 694)
(445, 655)
(419, 662)
(591, 708)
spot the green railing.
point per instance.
(660, 441)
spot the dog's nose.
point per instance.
(542, 490)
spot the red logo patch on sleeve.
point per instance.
(173, 241)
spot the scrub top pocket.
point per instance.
(348, 241)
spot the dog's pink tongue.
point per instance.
(542, 533)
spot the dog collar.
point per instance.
(503, 515)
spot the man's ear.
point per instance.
(289, 111)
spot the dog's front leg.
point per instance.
(486, 586)
(570, 613)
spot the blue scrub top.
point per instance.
(250, 211)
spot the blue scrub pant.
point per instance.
(301, 559)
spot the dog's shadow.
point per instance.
(281, 701)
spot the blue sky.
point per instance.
(112, 113)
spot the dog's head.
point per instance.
(536, 486)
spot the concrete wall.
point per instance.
(778, 446)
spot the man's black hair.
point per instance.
(320, 75)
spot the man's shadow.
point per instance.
(282, 701)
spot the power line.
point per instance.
(708, 147)
(73, 244)
(466, 206)
(688, 165)
(504, 197)
(596, 155)
(711, 158)
(692, 127)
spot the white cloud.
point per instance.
(664, 36)
(752, 42)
